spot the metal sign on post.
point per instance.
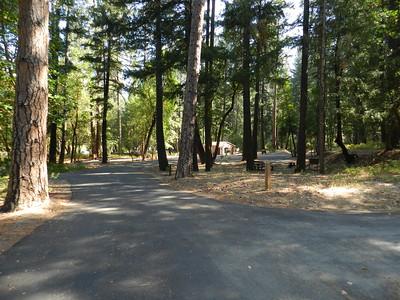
(268, 172)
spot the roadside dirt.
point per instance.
(14, 226)
(309, 191)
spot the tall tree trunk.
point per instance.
(262, 117)
(148, 137)
(301, 137)
(210, 87)
(119, 125)
(222, 123)
(247, 138)
(65, 71)
(28, 185)
(106, 96)
(256, 103)
(74, 138)
(199, 145)
(274, 115)
(184, 167)
(53, 143)
(162, 155)
(321, 88)
(339, 131)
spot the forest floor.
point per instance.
(373, 185)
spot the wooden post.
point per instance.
(268, 184)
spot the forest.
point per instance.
(118, 71)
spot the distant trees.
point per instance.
(28, 184)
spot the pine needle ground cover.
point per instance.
(371, 188)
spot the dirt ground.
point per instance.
(310, 191)
(14, 226)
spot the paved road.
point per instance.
(134, 239)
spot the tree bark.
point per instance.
(210, 87)
(199, 145)
(256, 103)
(222, 123)
(184, 167)
(301, 137)
(162, 155)
(53, 143)
(106, 96)
(274, 114)
(321, 88)
(148, 137)
(247, 138)
(28, 185)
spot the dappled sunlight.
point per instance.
(340, 191)
(384, 245)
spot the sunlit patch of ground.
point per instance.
(312, 191)
(14, 226)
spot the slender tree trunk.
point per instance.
(262, 117)
(65, 71)
(301, 137)
(106, 96)
(210, 86)
(222, 123)
(185, 161)
(321, 88)
(247, 138)
(274, 115)
(339, 132)
(162, 155)
(119, 125)
(63, 143)
(148, 137)
(74, 138)
(53, 143)
(256, 104)
(199, 145)
(28, 185)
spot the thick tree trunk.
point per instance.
(301, 137)
(162, 155)
(28, 185)
(247, 138)
(184, 167)
(321, 88)
(222, 123)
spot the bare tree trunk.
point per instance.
(222, 123)
(274, 114)
(106, 96)
(28, 185)
(162, 155)
(148, 137)
(247, 138)
(262, 125)
(256, 103)
(301, 137)
(74, 138)
(210, 87)
(184, 167)
(321, 88)
(53, 143)
(199, 145)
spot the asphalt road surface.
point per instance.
(130, 237)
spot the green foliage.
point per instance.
(388, 170)
(54, 170)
